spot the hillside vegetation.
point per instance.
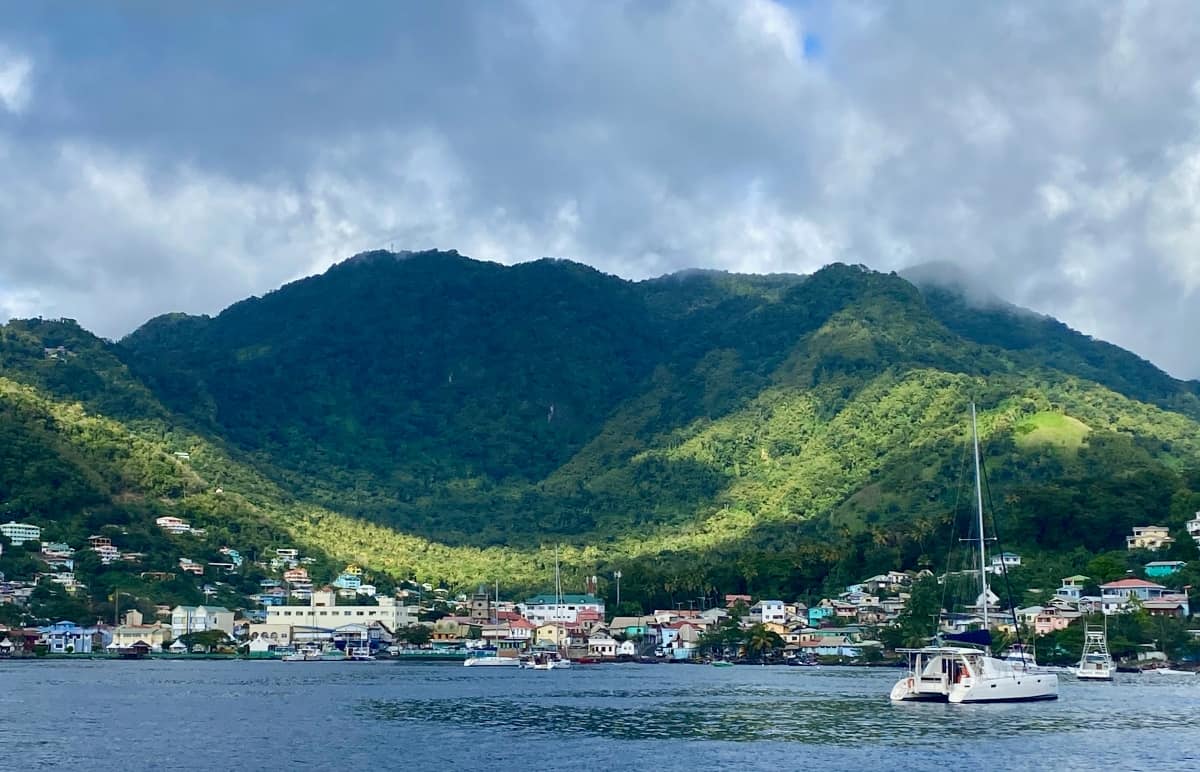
(432, 416)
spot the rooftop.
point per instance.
(1130, 583)
(547, 600)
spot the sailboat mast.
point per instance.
(979, 507)
(557, 579)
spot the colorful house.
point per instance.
(1160, 568)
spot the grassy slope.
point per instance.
(790, 416)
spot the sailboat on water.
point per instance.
(550, 659)
(1095, 664)
(967, 672)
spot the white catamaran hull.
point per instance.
(491, 662)
(966, 675)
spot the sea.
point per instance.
(270, 715)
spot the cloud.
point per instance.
(15, 87)
(180, 158)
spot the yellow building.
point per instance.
(133, 631)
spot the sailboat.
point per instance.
(969, 673)
(550, 660)
(1095, 664)
(489, 656)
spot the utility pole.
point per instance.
(617, 576)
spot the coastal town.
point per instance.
(350, 616)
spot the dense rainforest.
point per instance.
(434, 417)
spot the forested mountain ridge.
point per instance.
(701, 430)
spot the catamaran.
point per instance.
(969, 673)
(1095, 664)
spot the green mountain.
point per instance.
(433, 416)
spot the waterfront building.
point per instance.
(66, 637)
(198, 619)
(323, 612)
(601, 645)
(132, 632)
(552, 634)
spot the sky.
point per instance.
(159, 157)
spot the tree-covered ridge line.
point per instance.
(452, 420)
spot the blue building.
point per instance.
(348, 581)
(1160, 568)
(67, 638)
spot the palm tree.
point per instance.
(762, 641)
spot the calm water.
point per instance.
(365, 716)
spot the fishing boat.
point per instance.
(1095, 664)
(360, 654)
(967, 672)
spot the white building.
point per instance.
(1005, 561)
(173, 525)
(769, 611)
(19, 533)
(107, 552)
(1193, 528)
(542, 609)
(600, 645)
(322, 612)
(198, 619)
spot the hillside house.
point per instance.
(1120, 595)
(173, 525)
(1072, 587)
(1004, 562)
(19, 533)
(1149, 537)
(1160, 568)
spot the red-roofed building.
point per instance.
(1119, 595)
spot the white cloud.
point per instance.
(15, 80)
(1052, 149)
